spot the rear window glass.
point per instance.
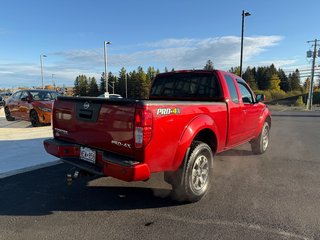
(43, 95)
(198, 85)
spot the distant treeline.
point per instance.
(138, 83)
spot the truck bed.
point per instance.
(108, 125)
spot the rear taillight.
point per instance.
(143, 127)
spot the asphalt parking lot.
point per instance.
(271, 196)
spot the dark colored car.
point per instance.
(31, 105)
(1, 101)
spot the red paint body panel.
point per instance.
(173, 134)
(172, 123)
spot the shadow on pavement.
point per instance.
(236, 152)
(44, 191)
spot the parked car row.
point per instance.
(33, 105)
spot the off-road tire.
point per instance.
(194, 183)
(260, 145)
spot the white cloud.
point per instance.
(193, 53)
(174, 53)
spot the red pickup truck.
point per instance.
(189, 117)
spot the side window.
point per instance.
(23, 95)
(232, 89)
(246, 94)
(16, 96)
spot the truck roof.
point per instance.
(192, 71)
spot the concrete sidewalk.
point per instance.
(21, 147)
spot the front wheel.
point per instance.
(8, 114)
(195, 182)
(34, 118)
(261, 144)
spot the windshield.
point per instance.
(43, 95)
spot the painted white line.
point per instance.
(28, 169)
(232, 224)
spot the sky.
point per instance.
(168, 33)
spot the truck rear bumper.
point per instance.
(107, 164)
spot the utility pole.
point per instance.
(314, 55)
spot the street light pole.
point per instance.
(126, 79)
(105, 69)
(53, 82)
(42, 68)
(244, 14)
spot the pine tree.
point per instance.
(102, 85)
(112, 81)
(151, 73)
(121, 86)
(248, 76)
(274, 82)
(284, 84)
(261, 78)
(294, 79)
(143, 85)
(83, 85)
(133, 91)
(93, 87)
(209, 65)
(235, 70)
(76, 88)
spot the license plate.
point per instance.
(88, 154)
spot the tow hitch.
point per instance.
(72, 176)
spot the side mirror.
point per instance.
(260, 98)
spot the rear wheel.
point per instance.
(8, 114)
(34, 118)
(195, 182)
(261, 144)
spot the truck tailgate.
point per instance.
(96, 123)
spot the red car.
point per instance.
(31, 105)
